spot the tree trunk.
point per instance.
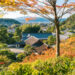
(56, 21)
(57, 33)
(57, 41)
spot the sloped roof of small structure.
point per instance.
(41, 48)
(31, 40)
(38, 45)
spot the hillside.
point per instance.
(8, 22)
(69, 24)
(67, 49)
(37, 20)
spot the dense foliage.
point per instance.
(5, 37)
(8, 53)
(20, 57)
(17, 35)
(8, 22)
(3, 46)
(67, 48)
(53, 66)
(28, 49)
(68, 24)
(44, 64)
(50, 41)
(14, 33)
(50, 29)
(30, 28)
(4, 62)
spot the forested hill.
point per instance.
(8, 22)
(69, 24)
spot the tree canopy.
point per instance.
(68, 24)
(44, 8)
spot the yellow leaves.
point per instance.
(49, 7)
(44, 11)
(7, 2)
(17, 65)
(72, 4)
(1, 15)
(10, 9)
(33, 6)
(23, 12)
(33, 10)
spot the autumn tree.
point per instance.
(53, 10)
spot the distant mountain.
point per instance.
(8, 22)
(37, 20)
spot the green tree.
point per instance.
(30, 28)
(51, 29)
(28, 49)
(9, 54)
(4, 61)
(3, 35)
(18, 34)
(21, 56)
(51, 40)
(3, 46)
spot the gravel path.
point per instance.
(16, 50)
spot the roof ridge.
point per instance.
(37, 33)
(31, 37)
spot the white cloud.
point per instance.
(12, 15)
(17, 14)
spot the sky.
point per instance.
(17, 14)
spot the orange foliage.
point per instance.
(1, 63)
(31, 18)
(67, 5)
(39, 7)
(67, 49)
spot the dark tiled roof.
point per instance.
(41, 48)
(31, 40)
(38, 35)
(22, 43)
(38, 45)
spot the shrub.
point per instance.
(51, 29)
(4, 61)
(3, 46)
(52, 66)
(8, 53)
(61, 66)
(73, 35)
(57, 66)
(51, 40)
(28, 49)
(19, 69)
(21, 56)
(61, 32)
